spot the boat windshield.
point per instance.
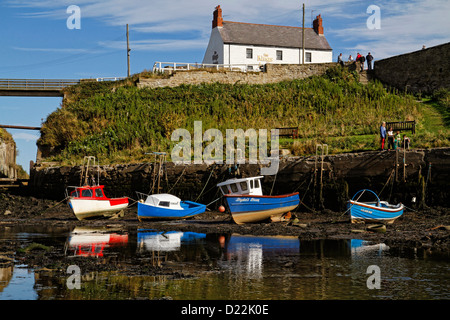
(86, 193)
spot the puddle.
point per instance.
(198, 266)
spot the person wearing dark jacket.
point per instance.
(369, 59)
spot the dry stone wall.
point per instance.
(273, 73)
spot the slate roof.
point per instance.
(271, 36)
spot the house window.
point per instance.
(249, 53)
(308, 57)
(279, 55)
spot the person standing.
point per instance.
(383, 134)
(369, 59)
(390, 136)
(340, 60)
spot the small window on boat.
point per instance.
(164, 203)
(234, 187)
(74, 194)
(98, 193)
(256, 183)
(251, 184)
(244, 185)
(224, 189)
(86, 193)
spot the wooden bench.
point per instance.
(402, 126)
(288, 132)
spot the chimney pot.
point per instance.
(217, 17)
(317, 25)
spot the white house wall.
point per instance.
(237, 54)
(215, 45)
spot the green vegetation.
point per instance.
(117, 122)
(5, 136)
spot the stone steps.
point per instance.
(365, 76)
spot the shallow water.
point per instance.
(197, 266)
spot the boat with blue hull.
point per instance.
(374, 211)
(167, 207)
(247, 204)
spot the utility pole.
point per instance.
(128, 50)
(303, 36)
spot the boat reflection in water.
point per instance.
(151, 240)
(245, 254)
(91, 241)
(362, 248)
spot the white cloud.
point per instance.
(25, 136)
(405, 25)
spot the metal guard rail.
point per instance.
(182, 66)
(36, 84)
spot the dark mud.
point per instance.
(423, 230)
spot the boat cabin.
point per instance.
(242, 186)
(88, 192)
(164, 200)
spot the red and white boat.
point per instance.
(89, 201)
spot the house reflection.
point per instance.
(245, 254)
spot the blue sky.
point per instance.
(36, 42)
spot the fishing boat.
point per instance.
(89, 201)
(166, 206)
(247, 204)
(374, 211)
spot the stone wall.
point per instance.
(420, 71)
(426, 177)
(273, 73)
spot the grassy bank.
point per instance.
(117, 122)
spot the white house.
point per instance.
(250, 43)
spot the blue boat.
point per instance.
(247, 204)
(166, 206)
(375, 211)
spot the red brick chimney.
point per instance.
(317, 25)
(217, 18)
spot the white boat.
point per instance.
(89, 201)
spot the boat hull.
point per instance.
(95, 208)
(253, 208)
(189, 209)
(365, 212)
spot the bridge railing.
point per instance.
(181, 66)
(36, 84)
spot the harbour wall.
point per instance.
(323, 182)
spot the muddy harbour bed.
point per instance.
(425, 229)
